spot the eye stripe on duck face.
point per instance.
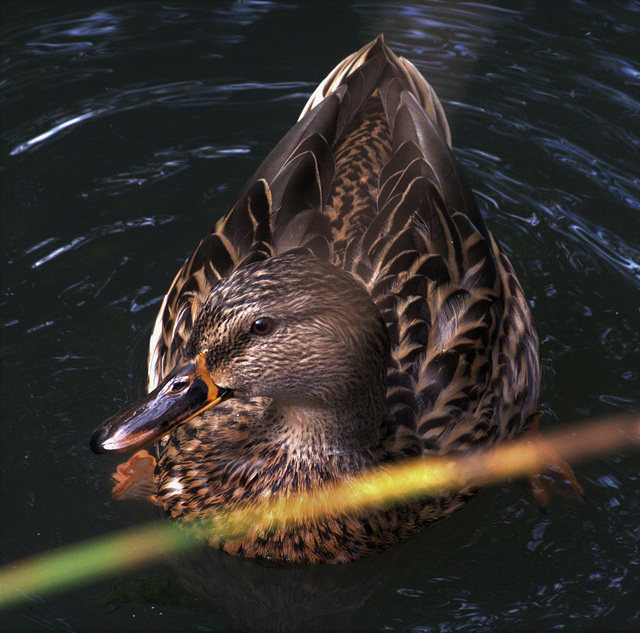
(234, 332)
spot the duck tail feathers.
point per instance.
(405, 72)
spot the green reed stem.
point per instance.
(100, 557)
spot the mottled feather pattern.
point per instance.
(367, 181)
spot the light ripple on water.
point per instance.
(100, 231)
(499, 187)
(176, 94)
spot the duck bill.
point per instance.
(186, 392)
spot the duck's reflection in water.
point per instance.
(259, 596)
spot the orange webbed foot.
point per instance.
(135, 479)
(556, 477)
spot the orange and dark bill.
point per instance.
(186, 392)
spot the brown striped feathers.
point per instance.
(353, 308)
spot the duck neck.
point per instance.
(348, 435)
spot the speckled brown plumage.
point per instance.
(364, 207)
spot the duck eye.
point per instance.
(262, 326)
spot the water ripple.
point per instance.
(174, 94)
(53, 131)
(100, 231)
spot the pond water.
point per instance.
(128, 129)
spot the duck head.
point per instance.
(293, 329)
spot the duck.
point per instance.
(350, 311)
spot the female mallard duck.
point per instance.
(352, 309)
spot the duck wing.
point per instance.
(465, 365)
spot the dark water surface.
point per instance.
(128, 129)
